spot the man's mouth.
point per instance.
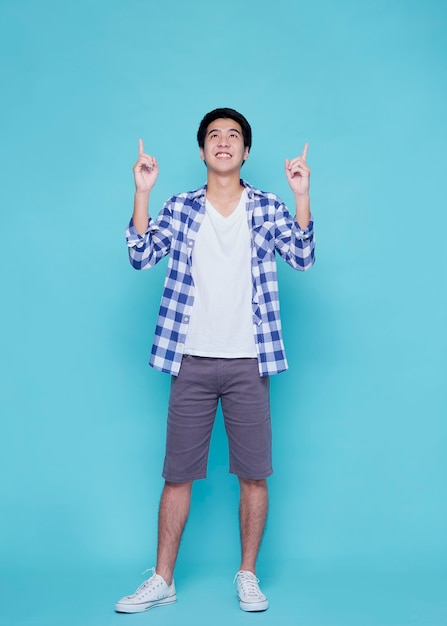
(223, 155)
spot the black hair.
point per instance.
(224, 113)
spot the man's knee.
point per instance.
(177, 487)
(253, 484)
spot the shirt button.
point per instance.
(190, 243)
(186, 319)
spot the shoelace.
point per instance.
(248, 583)
(146, 583)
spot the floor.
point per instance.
(305, 595)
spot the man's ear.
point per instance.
(246, 153)
(202, 154)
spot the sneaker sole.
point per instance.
(254, 606)
(144, 606)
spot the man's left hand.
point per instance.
(298, 173)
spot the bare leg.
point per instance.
(172, 516)
(252, 515)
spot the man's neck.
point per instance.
(224, 192)
(223, 186)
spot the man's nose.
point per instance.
(223, 141)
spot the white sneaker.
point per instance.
(250, 596)
(153, 592)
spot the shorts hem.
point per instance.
(183, 480)
(246, 476)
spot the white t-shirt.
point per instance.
(221, 322)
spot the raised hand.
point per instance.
(145, 170)
(298, 173)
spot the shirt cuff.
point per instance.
(133, 237)
(306, 233)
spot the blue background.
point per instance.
(357, 528)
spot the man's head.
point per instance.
(232, 121)
(224, 114)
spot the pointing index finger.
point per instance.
(140, 147)
(304, 154)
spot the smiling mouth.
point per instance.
(223, 155)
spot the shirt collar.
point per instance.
(200, 193)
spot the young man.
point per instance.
(218, 333)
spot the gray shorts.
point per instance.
(245, 398)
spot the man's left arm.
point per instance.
(298, 177)
(294, 237)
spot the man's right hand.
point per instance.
(145, 170)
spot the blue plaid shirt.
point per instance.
(174, 232)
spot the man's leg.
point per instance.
(246, 409)
(159, 589)
(172, 516)
(252, 516)
(192, 409)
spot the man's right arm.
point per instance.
(148, 241)
(145, 173)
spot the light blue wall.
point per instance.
(360, 418)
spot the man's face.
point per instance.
(224, 149)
